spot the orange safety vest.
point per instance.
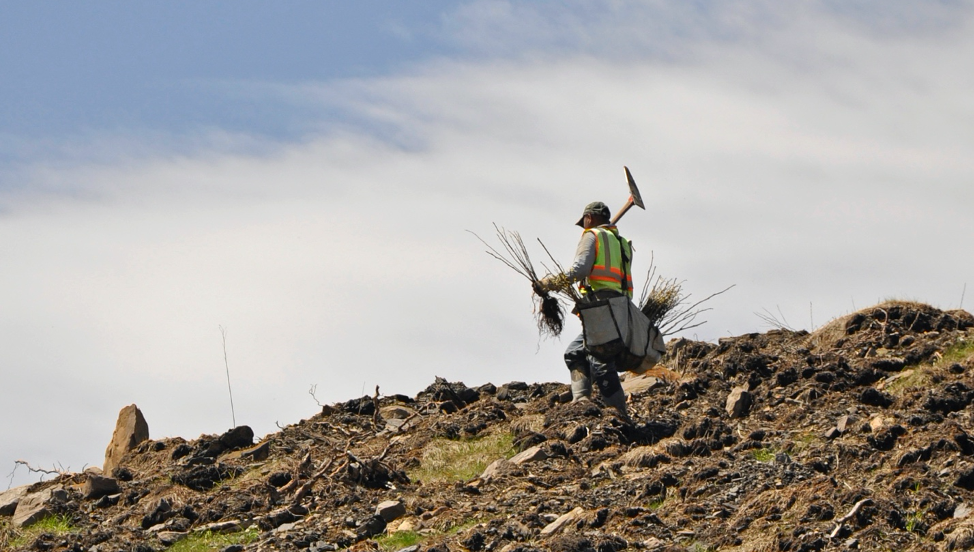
(613, 259)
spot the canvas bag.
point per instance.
(615, 330)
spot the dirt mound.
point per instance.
(856, 436)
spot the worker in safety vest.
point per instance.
(601, 266)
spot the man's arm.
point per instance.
(584, 258)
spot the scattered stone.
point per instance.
(390, 510)
(258, 453)
(563, 521)
(238, 437)
(97, 486)
(738, 402)
(962, 510)
(496, 468)
(131, 430)
(533, 454)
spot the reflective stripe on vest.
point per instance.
(608, 268)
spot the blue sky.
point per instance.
(305, 174)
(79, 67)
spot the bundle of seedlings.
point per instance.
(667, 307)
(548, 309)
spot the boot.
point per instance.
(581, 385)
(617, 401)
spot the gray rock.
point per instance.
(9, 500)
(495, 469)
(390, 510)
(738, 402)
(832, 433)
(844, 423)
(131, 429)
(97, 486)
(962, 510)
(533, 454)
(37, 506)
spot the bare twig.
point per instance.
(311, 392)
(223, 332)
(667, 307)
(774, 321)
(55, 469)
(549, 311)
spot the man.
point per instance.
(601, 267)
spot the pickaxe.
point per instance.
(634, 199)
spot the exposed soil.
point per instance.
(856, 436)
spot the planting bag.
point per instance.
(615, 330)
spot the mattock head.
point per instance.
(637, 199)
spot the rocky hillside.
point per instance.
(857, 436)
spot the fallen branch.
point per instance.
(847, 517)
(56, 470)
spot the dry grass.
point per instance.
(449, 461)
(528, 423)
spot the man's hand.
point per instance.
(548, 283)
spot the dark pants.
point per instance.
(603, 374)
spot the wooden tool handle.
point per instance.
(622, 211)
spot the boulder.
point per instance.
(10, 498)
(35, 507)
(131, 429)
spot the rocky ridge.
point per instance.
(855, 436)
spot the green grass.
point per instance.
(919, 378)
(914, 521)
(54, 525)
(450, 461)
(958, 352)
(402, 539)
(398, 540)
(208, 541)
(763, 454)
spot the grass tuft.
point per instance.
(764, 455)
(398, 540)
(450, 461)
(52, 525)
(209, 541)
(961, 351)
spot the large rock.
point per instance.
(9, 500)
(37, 506)
(98, 486)
(130, 430)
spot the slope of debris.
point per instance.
(856, 436)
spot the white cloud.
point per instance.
(816, 162)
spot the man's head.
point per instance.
(595, 214)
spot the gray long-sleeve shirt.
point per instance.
(584, 258)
